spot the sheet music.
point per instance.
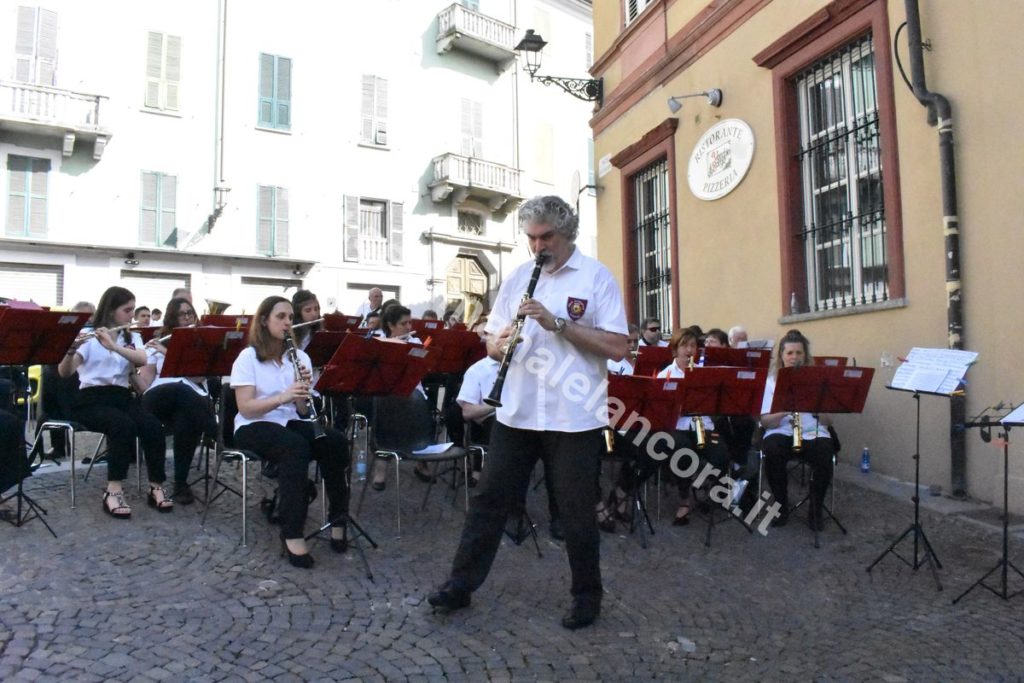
(936, 371)
(1015, 417)
(434, 449)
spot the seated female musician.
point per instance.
(182, 404)
(272, 393)
(817, 448)
(403, 422)
(105, 360)
(307, 308)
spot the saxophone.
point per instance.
(698, 423)
(798, 435)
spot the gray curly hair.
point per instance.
(553, 211)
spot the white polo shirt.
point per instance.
(478, 381)
(809, 427)
(270, 378)
(154, 357)
(673, 371)
(620, 367)
(553, 385)
(104, 368)
(661, 342)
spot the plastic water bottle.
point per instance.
(361, 462)
(865, 460)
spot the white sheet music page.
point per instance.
(1015, 418)
(936, 371)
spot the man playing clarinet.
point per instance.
(552, 405)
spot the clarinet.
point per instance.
(314, 418)
(494, 399)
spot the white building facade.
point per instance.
(244, 148)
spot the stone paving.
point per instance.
(160, 598)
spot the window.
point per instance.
(32, 282)
(373, 231)
(27, 182)
(633, 10)
(163, 71)
(843, 232)
(374, 111)
(471, 223)
(153, 288)
(275, 92)
(156, 210)
(272, 228)
(472, 128)
(35, 46)
(588, 51)
(471, 4)
(651, 228)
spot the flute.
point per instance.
(307, 323)
(92, 335)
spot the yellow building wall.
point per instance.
(728, 261)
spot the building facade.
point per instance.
(822, 194)
(249, 148)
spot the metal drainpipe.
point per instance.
(940, 111)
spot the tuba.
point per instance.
(215, 307)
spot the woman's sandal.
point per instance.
(620, 506)
(120, 510)
(682, 519)
(163, 503)
(605, 520)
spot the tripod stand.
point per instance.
(923, 551)
(27, 508)
(1004, 563)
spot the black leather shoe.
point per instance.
(781, 519)
(183, 494)
(556, 530)
(449, 597)
(584, 612)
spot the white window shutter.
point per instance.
(168, 202)
(46, 49)
(154, 68)
(281, 223)
(264, 234)
(396, 240)
(381, 98)
(172, 73)
(472, 128)
(148, 209)
(478, 129)
(40, 172)
(351, 211)
(366, 109)
(25, 45)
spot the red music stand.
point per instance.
(651, 360)
(426, 328)
(722, 391)
(652, 398)
(322, 346)
(831, 361)
(235, 322)
(371, 367)
(203, 351)
(736, 358)
(456, 350)
(339, 322)
(146, 333)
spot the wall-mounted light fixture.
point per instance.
(130, 260)
(298, 271)
(714, 99)
(586, 89)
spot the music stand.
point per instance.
(32, 336)
(1014, 419)
(822, 389)
(831, 361)
(235, 322)
(736, 358)
(339, 322)
(146, 333)
(650, 360)
(426, 328)
(322, 346)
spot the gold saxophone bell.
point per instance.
(609, 440)
(698, 423)
(798, 435)
(215, 307)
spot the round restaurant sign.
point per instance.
(720, 159)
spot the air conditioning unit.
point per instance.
(380, 135)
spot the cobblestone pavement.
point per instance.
(159, 598)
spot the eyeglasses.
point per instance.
(654, 329)
(186, 314)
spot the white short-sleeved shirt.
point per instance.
(620, 367)
(673, 371)
(270, 378)
(154, 357)
(809, 427)
(104, 368)
(553, 385)
(478, 381)
(661, 342)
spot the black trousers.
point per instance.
(291, 448)
(511, 456)
(778, 450)
(113, 412)
(188, 415)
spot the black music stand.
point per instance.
(821, 389)
(1004, 563)
(32, 336)
(724, 391)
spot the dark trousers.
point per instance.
(511, 456)
(113, 412)
(778, 450)
(714, 453)
(291, 448)
(188, 415)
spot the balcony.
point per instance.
(463, 177)
(477, 34)
(53, 112)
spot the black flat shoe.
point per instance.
(183, 495)
(584, 612)
(449, 597)
(781, 519)
(379, 485)
(300, 561)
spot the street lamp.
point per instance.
(586, 89)
(714, 99)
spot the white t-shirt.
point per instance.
(270, 378)
(809, 427)
(673, 371)
(620, 367)
(478, 381)
(154, 357)
(551, 384)
(104, 368)
(661, 342)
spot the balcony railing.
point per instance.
(462, 28)
(55, 112)
(466, 176)
(373, 249)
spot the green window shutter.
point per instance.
(172, 73)
(149, 209)
(25, 45)
(154, 68)
(168, 202)
(283, 94)
(266, 95)
(351, 211)
(38, 180)
(265, 227)
(396, 240)
(281, 222)
(46, 71)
